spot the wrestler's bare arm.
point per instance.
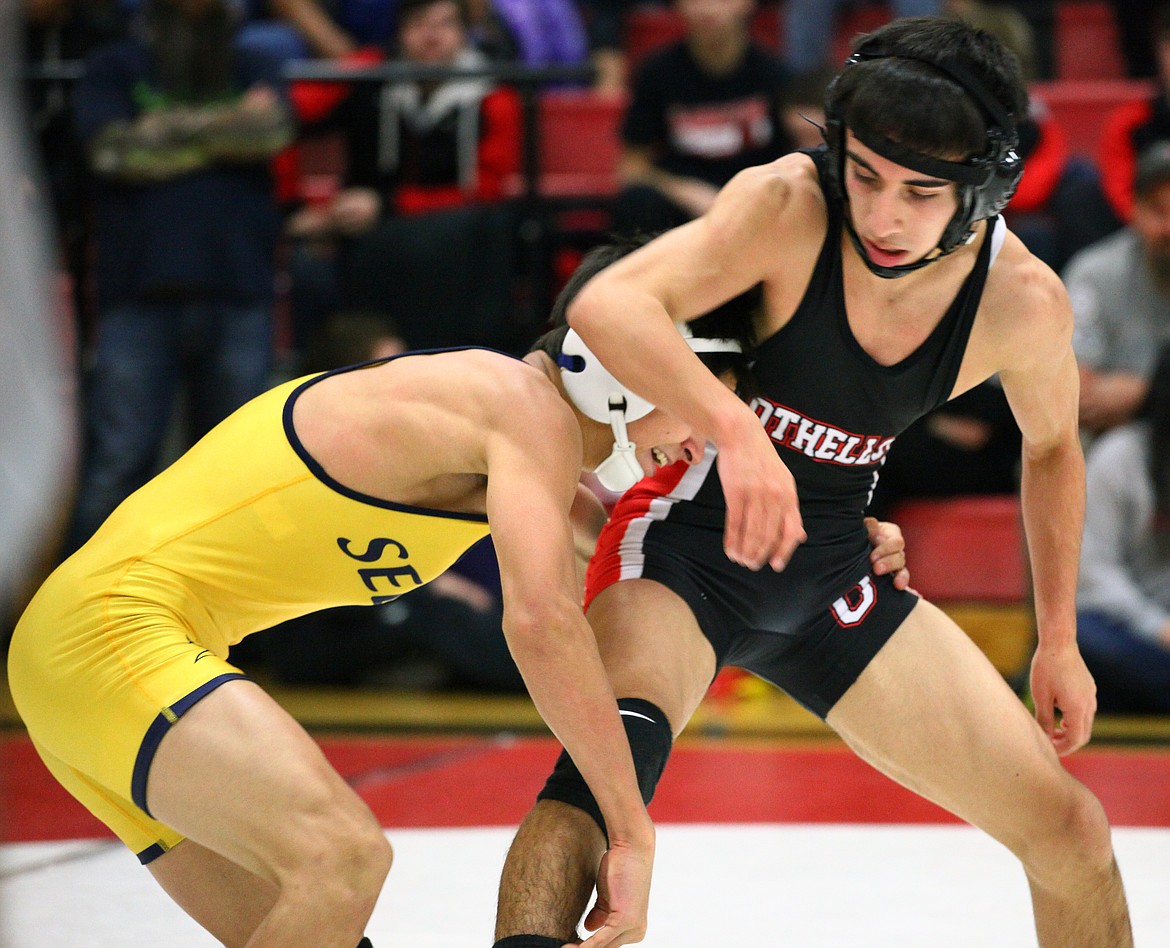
(533, 464)
(1040, 379)
(624, 313)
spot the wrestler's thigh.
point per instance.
(96, 702)
(239, 775)
(652, 647)
(933, 713)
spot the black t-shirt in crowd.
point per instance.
(703, 126)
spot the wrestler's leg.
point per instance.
(226, 899)
(240, 778)
(652, 649)
(932, 713)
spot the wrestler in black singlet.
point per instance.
(833, 412)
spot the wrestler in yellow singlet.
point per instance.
(138, 623)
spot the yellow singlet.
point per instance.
(243, 532)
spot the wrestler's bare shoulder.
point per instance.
(1025, 316)
(783, 191)
(471, 373)
(420, 429)
(480, 388)
(1022, 289)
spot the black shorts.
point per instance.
(810, 629)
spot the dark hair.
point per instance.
(902, 97)
(1156, 411)
(942, 98)
(733, 319)
(551, 343)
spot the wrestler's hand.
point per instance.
(763, 525)
(889, 551)
(1062, 685)
(618, 917)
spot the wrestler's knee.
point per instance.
(1072, 837)
(341, 857)
(649, 733)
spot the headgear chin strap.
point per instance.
(600, 396)
(621, 470)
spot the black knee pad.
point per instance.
(650, 739)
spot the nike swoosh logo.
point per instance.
(636, 714)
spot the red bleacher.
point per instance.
(579, 143)
(968, 548)
(1085, 41)
(1081, 106)
(967, 555)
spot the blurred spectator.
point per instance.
(701, 110)
(1004, 22)
(57, 32)
(289, 30)
(316, 29)
(1059, 206)
(605, 29)
(353, 336)
(180, 129)
(281, 29)
(1131, 127)
(1123, 592)
(419, 230)
(809, 27)
(418, 146)
(532, 32)
(1120, 293)
(64, 30)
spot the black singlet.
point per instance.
(833, 412)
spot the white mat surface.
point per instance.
(799, 885)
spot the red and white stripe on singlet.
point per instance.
(619, 548)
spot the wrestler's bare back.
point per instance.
(415, 430)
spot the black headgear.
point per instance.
(985, 183)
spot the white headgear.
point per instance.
(600, 396)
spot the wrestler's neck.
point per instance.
(596, 438)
